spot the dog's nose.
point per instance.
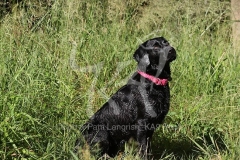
(172, 54)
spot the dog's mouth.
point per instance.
(160, 71)
(167, 75)
(162, 67)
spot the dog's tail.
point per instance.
(78, 144)
(81, 141)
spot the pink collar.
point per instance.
(155, 80)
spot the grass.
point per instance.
(60, 61)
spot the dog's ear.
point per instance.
(141, 56)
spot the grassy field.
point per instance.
(60, 61)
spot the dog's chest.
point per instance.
(156, 102)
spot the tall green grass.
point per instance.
(60, 61)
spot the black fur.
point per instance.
(137, 108)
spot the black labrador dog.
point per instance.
(137, 108)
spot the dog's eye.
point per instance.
(165, 43)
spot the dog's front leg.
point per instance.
(142, 138)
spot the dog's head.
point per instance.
(154, 56)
